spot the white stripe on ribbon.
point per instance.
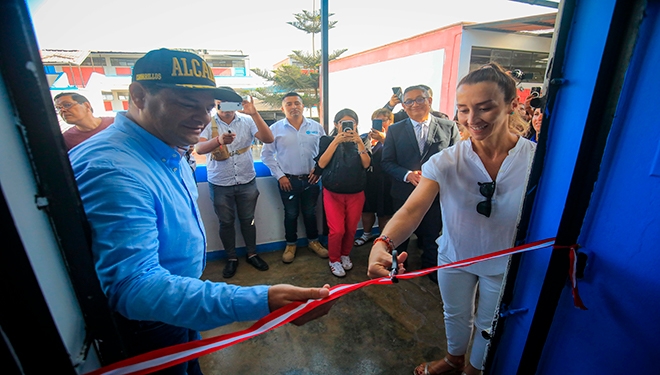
(170, 356)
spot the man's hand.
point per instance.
(227, 138)
(380, 261)
(248, 106)
(414, 177)
(285, 184)
(283, 294)
(394, 100)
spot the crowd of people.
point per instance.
(416, 171)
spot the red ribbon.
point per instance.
(166, 357)
(572, 270)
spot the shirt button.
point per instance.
(174, 169)
(163, 160)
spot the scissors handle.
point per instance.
(395, 267)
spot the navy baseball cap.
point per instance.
(180, 69)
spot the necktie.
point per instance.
(421, 141)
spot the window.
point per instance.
(122, 61)
(123, 96)
(529, 62)
(94, 61)
(226, 63)
(107, 95)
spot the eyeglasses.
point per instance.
(487, 189)
(67, 106)
(418, 100)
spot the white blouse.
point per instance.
(465, 232)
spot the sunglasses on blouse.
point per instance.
(487, 189)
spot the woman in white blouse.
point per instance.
(481, 182)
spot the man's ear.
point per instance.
(137, 94)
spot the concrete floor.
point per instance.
(376, 330)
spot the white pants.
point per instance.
(458, 289)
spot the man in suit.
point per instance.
(402, 115)
(409, 144)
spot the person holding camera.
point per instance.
(226, 141)
(378, 201)
(342, 162)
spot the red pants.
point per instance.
(343, 212)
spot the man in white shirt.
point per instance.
(290, 159)
(232, 182)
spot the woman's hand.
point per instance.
(377, 135)
(345, 136)
(380, 261)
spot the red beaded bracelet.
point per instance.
(389, 244)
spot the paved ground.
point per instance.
(376, 330)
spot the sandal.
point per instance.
(362, 239)
(455, 368)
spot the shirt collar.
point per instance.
(158, 149)
(424, 123)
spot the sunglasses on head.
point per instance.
(487, 189)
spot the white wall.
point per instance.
(268, 218)
(366, 88)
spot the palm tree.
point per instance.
(303, 75)
(310, 23)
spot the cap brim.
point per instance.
(226, 95)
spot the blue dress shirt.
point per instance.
(293, 151)
(148, 239)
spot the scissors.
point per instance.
(395, 267)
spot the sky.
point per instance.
(258, 28)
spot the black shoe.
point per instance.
(230, 268)
(257, 262)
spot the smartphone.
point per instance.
(397, 92)
(230, 106)
(377, 124)
(347, 125)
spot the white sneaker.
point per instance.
(346, 262)
(337, 269)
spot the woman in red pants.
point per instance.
(342, 162)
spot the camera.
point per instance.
(347, 125)
(520, 75)
(230, 106)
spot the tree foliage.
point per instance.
(302, 75)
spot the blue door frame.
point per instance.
(600, 188)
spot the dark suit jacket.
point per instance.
(401, 152)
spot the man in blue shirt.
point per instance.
(140, 198)
(290, 159)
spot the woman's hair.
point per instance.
(384, 112)
(346, 112)
(493, 72)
